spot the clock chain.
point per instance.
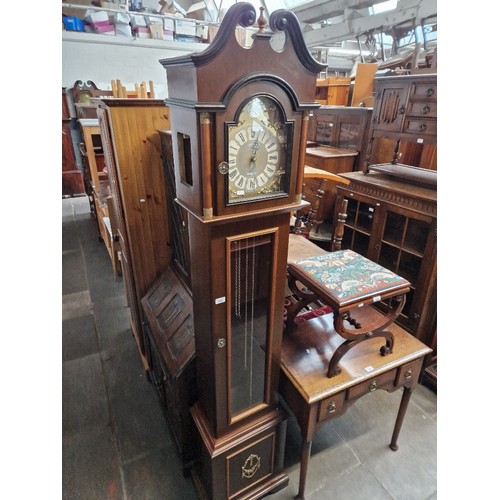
(252, 315)
(246, 308)
(237, 298)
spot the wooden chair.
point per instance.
(313, 193)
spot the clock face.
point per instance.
(258, 152)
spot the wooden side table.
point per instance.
(346, 281)
(315, 398)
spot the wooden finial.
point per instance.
(262, 20)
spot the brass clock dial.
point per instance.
(258, 152)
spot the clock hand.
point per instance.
(253, 164)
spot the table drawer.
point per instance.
(379, 382)
(408, 373)
(331, 407)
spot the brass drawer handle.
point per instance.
(426, 109)
(408, 374)
(332, 407)
(422, 127)
(430, 92)
(372, 386)
(401, 110)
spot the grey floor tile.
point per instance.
(91, 465)
(155, 476)
(409, 473)
(426, 399)
(79, 337)
(76, 305)
(135, 410)
(84, 398)
(73, 272)
(355, 484)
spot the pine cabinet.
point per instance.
(129, 135)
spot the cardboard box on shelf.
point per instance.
(74, 11)
(185, 38)
(103, 29)
(141, 32)
(123, 30)
(169, 24)
(138, 20)
(156, 31)
(168, 35)
(96, 16)
(185, 27)
(117, 5)
(198, 11)
(119, 18)
(202, 32)
(153, 20)
(171, 7)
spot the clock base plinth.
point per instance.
(246, 463)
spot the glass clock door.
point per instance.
(251, 276)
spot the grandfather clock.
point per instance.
(239, 127)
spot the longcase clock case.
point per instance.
(239, 132)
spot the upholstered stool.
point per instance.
(346, 281)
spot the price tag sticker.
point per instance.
(420, 140)
(376, 298)
(240, 193)
(369, 369)
(220, 300)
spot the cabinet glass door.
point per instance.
(358, 226)
(402, 249)
(251, 275)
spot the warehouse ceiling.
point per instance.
(344, 32)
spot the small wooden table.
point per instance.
(315, 398)
(346, 281)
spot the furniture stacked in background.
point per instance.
(94, 168)
(337, 138)
(392, 204)
(333, 90)
(72, 177)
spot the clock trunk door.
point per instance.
(248, 310)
